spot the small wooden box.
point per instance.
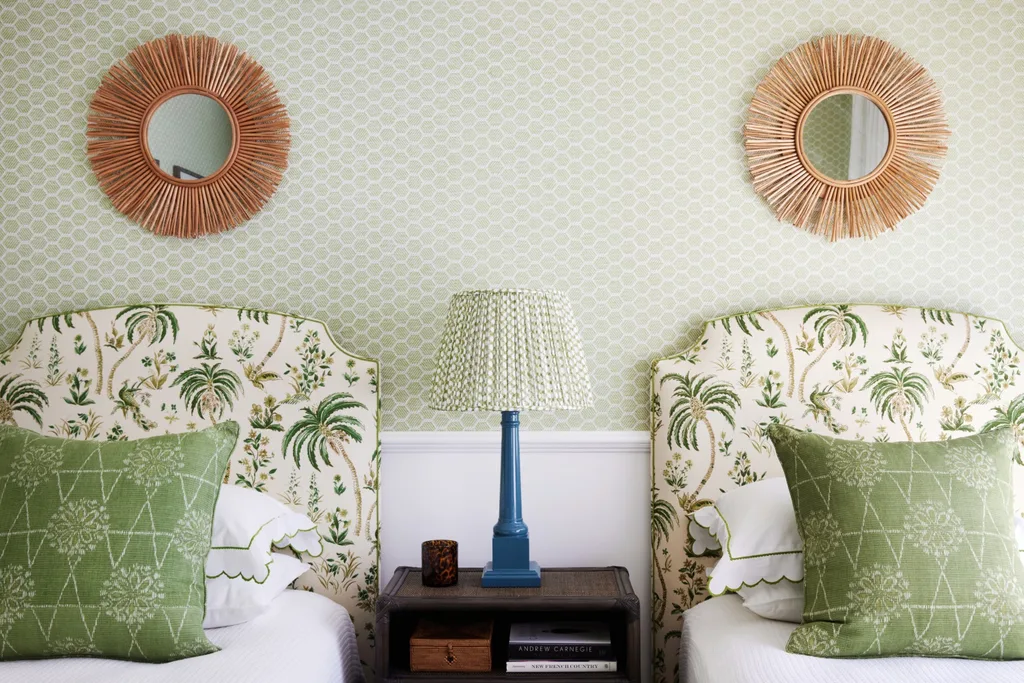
(451, 646)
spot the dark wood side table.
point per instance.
(600, 593)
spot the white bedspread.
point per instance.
(303, 637)
(723, 642)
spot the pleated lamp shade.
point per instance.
(511, 349)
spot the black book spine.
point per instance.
(559, 652)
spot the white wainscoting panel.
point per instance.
(586, 499)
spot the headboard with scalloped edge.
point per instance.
(309, 412)
(857, 371)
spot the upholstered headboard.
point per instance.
(309, 412)
(856, 371)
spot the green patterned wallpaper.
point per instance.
(595, 147)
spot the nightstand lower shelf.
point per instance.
(602, 677)
(599, 594)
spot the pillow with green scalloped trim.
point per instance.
(103, 543)
(909, 548)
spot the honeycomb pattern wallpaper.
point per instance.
(586, 145)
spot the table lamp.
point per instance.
(510, 350)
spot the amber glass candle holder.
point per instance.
(440, 563)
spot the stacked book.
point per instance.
(560, 646)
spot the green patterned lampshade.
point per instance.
(511, 349)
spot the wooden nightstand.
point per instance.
(602, 593)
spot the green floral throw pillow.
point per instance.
(103, 544)
(909, 548)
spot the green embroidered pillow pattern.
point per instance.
(909, 548)
(103, 543)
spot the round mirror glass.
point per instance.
(189, 136)
(845, 136)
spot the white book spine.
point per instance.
(541, 665)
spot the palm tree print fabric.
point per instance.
(858, 372)
(910, 547)
(309, 413)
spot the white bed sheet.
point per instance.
(723, 642)
(302, 637)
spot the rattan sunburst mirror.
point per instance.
(845, 136)
(187, 136)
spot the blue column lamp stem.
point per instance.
(510, 565)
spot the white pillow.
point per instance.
(762, 559)
(247, 526)
(233, 601)
(782, 601)
(755, 527)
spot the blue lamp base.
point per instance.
(511, 578)
(511, 566)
